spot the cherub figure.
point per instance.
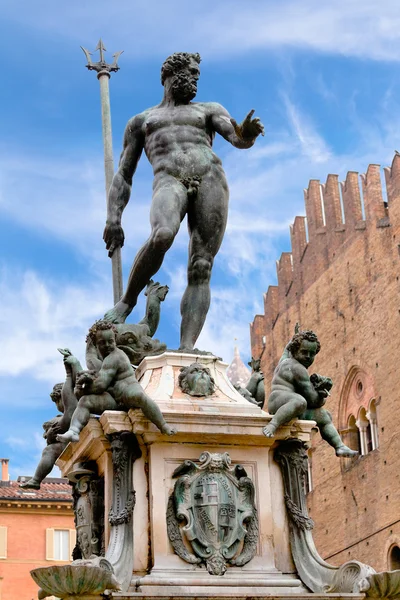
(295, 394)
(254, 392)
(65, 401)
(113, 387)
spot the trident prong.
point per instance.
(101, 65)
(88, 55)
(116, 57)
(100, 46)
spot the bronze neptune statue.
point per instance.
(177, 137)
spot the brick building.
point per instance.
(36, 529)
(341, 279)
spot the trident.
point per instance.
(104, 71)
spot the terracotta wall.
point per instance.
(26, 548)
(342, 280)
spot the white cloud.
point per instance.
(227, 323)
(360, 28)
(26, 454)
(312, 145)
(65, 199)
(37, 317)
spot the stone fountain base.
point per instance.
(217, 510)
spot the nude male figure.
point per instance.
(177, 137)
(113, 387)
(295, 394)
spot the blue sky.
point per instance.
(323, 77)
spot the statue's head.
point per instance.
(304, 346)
(156, 289)
(255, 364)
(102, 334)
(181, 70)
(196, 380)
(56, 396)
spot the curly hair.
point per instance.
(176, 62)
(307, 335)
(56, 392)
(100, 325)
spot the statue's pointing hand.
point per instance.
(249, 129)
(114, 237)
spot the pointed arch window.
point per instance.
(394, 558)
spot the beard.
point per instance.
(201, 384)
(183, 89)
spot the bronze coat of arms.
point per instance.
(215, 504)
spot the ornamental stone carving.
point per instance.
(196, 380)
(212, 511)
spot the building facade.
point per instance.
(341, 279)
(36, 530)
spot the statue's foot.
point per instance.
(345, 451)
(168, 430)
(68, 436)
(269, 430)
(119, 313)
(31, 484)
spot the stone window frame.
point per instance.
(50, 554)
(392, 542)
(368, 427)
(3, 541)
(358, 412)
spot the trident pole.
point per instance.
(104, 71)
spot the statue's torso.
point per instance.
(283, 378)
(178, 140)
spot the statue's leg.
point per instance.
(207, 216)
(138, 398)
(87, 405)
(46, 464)
(285, 406)
(168, 209)
(329, 432)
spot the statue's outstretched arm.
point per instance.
(120, 189)
(72, 367)
(241, 136)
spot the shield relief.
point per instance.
(215, 504)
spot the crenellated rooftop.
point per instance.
(336, 212)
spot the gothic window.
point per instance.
(358, 398)
(394, 558)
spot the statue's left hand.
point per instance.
(250, 128)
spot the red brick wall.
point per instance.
(344, 284)
(26, 548)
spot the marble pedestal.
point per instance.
(223, 422)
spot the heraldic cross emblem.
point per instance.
(212, 509)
